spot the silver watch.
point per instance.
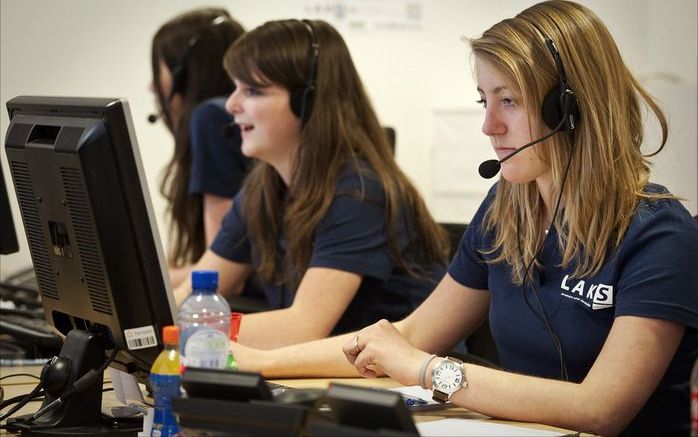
(447, 377)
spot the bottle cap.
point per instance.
(204, 280)
(170, 334)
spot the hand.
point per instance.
(247, 358)
(381, 349)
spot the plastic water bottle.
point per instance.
(165, 384)
(694, 400)
(204, 324)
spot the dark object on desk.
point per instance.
(91, 231)
(8, 234)
(357, 409)
(225, 385)
(200, 416)
(234, 403)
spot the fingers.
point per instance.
(352, 349)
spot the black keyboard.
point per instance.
(30, 330)
(21, 288)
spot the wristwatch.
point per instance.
(447, 377)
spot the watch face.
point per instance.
(447, 377)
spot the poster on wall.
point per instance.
(368, 15)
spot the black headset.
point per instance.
(560, 101)
(302, 97)
(179, 71)
(560, 113)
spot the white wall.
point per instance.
(101, 48)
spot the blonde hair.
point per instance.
(607, 173)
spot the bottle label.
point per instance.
(165, 388)
(207, 348)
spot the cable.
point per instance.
(34, 393)
(80, 385)
(527, 277)
(18, 398)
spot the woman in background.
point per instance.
(335, 231)
(207, 167)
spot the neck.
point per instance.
(545, 187)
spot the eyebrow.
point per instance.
(496, 90)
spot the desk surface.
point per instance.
(19, 385)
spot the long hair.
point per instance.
(205, 78)
(608, 172)
(342, 129)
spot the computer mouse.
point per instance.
(300, 396)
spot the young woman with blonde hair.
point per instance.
(586, 269)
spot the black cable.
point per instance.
(80, 385)
(18, 398)
(527, 277)
(26, 398)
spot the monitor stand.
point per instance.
(80, 414)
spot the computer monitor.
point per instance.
(91, 230)
(8, 236)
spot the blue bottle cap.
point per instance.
(204, 280)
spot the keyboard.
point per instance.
(30, 330)
(21, 288)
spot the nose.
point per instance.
(232, 105)
(493, 124)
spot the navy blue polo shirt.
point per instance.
(351, 237)
(217, 164)
(652, 274)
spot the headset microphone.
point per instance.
(230, 129)
(491, 167)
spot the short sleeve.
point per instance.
(468, 266)
(659, 275)
(352, 236)
(217, 164)
(232, 241)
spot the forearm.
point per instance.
(528, 399)
(279, 328)
(319, 359)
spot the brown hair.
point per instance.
(205, 78)
(342, 129)
(608, 171)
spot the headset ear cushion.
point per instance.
(297, 101)
(55, 375)
(179, 80)
(552, 109)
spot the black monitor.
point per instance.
(8, 236)
(91, 231)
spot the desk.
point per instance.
(19, 385)
(419, 417)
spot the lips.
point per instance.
(503, 152)
(245, 127)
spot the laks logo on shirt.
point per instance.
(594, 296)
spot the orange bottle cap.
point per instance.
(170, 334)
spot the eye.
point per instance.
(251, 91)
(482, 102)
(508, 102)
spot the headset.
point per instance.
(179, 71)
(301, 97)
(560, 112)
(559, 109)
